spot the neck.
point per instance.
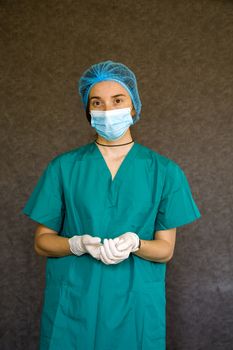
(124, 139)
(118, 150)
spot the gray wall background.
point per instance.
(181, 53)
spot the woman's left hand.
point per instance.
(128, 240)
(114, 251)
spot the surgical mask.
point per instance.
(111, 124)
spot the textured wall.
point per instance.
(181, 53)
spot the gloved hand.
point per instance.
(128, 240)
(109, 253)
(114, 251)
(80, 245)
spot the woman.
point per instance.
(107, 214)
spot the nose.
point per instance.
(107, 106)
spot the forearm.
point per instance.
(157, 250)
(48, 244)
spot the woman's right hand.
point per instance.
(109, 253)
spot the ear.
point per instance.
(133, 112)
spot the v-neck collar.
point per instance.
(127, 161)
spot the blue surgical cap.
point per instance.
(109, 70)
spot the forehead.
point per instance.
(107, 88)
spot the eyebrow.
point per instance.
(98, 97)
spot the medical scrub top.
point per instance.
(87, 304)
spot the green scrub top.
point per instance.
(87, 304)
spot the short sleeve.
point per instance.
(177, 206)
(45, 204)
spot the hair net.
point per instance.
(109, 70)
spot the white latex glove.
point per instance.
(109, 254)
(80, 245)
(128, 240)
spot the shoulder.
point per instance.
(69, 157)
(167, 172)
(160, 161)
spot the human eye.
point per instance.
(118, 100)
(95, 103)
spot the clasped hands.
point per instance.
(112, 251)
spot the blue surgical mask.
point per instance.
(111, 124)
